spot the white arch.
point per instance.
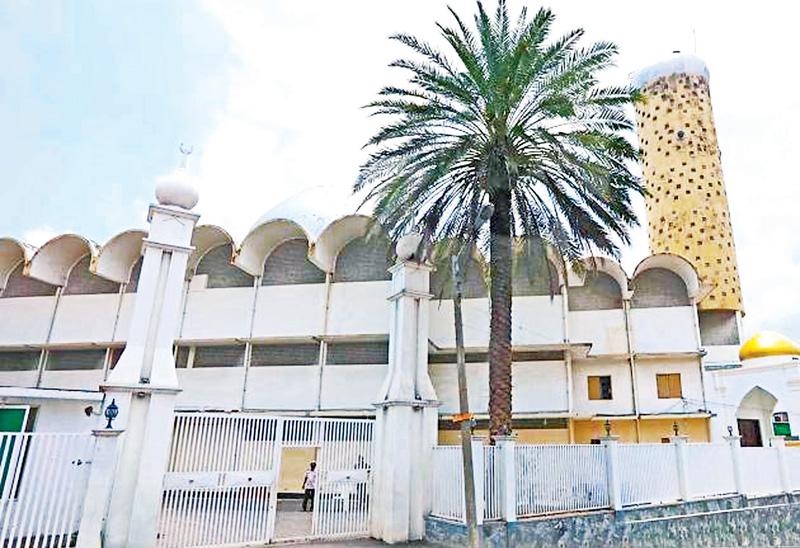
(204, 239)
(117, 256)
(335, 237)
(263, 239)
(600, 264)
(52, 262)
(677, 265)
(12, 252)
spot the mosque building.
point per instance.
(295, 318)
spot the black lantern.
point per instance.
(111, 412)
(607, 426)
(675, 427)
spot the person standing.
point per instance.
(309, 485)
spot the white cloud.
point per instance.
(292, 118)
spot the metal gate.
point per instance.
(43, 481)
(221, 487)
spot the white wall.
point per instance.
(18, 378)
(351, 386)
(220, 313)
(661, 330)
(125, 314)
(621, 387)
(217, 388)
(72, 380)
(85, 318)
(536, 387)
(289, 310)
(359, 308)
(537, 320)
(691, 387)
(603, 329)
(476, 323)
(282, 387)
(25, 320)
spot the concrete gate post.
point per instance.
(779, 444)
(735, 443)
(406, 413)
(98, 489)
(144, 384)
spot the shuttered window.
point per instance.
(358, 353)
(75, 360)
(231, 355)
(19, 361)
(285, 354)
(669, 385)
(600, 388)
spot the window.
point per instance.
(75, 360)
(669, 385)
(600, 388)
(358, 353)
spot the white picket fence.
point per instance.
(554, 479)
(43, 480)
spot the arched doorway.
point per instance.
(753, 416)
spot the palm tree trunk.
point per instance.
(500, 323)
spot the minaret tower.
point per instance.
(687, 207)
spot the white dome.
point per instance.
(177, 189)
(680, 64)
(315, 208)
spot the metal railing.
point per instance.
(553, 479)
(560, 478)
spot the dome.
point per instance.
(679, 64)
(768, 343)
(177, 189)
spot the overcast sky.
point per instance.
(96, 96)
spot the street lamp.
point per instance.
(464, 417)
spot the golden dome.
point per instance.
(768, 343)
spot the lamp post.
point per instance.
(464, 417)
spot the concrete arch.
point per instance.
(756, 407)
(677, 265)
(580, 268)
(263, 239)
(52, 262)
(12, 252)
(335, 236)
(117, 256)
(204, 239)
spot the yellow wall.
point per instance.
(587, 430)
(550, 435)
(294, 463)
(652, 431)
(687, 207)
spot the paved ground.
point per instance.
(292, 523)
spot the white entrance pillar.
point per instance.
(406, 413)
(144, 383)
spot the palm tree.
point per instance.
(513, 119)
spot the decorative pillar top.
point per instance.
(178, 188)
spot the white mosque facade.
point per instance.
(295, 319)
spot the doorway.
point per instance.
(750, 431)
(291, 520)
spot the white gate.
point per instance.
(221, 487)
(43, 481)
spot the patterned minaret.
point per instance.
(687, 209)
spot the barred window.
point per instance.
(75, 360)
(82, 281)
(25, 360)
(364, 259)
(659, 287)
(289, 264)
(221, 273)
(285, 354)
(182, 357)
(19, 285)
(358, 353)
(219, 356)
(599, 292)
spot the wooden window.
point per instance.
(669, 385)
(600, 388)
